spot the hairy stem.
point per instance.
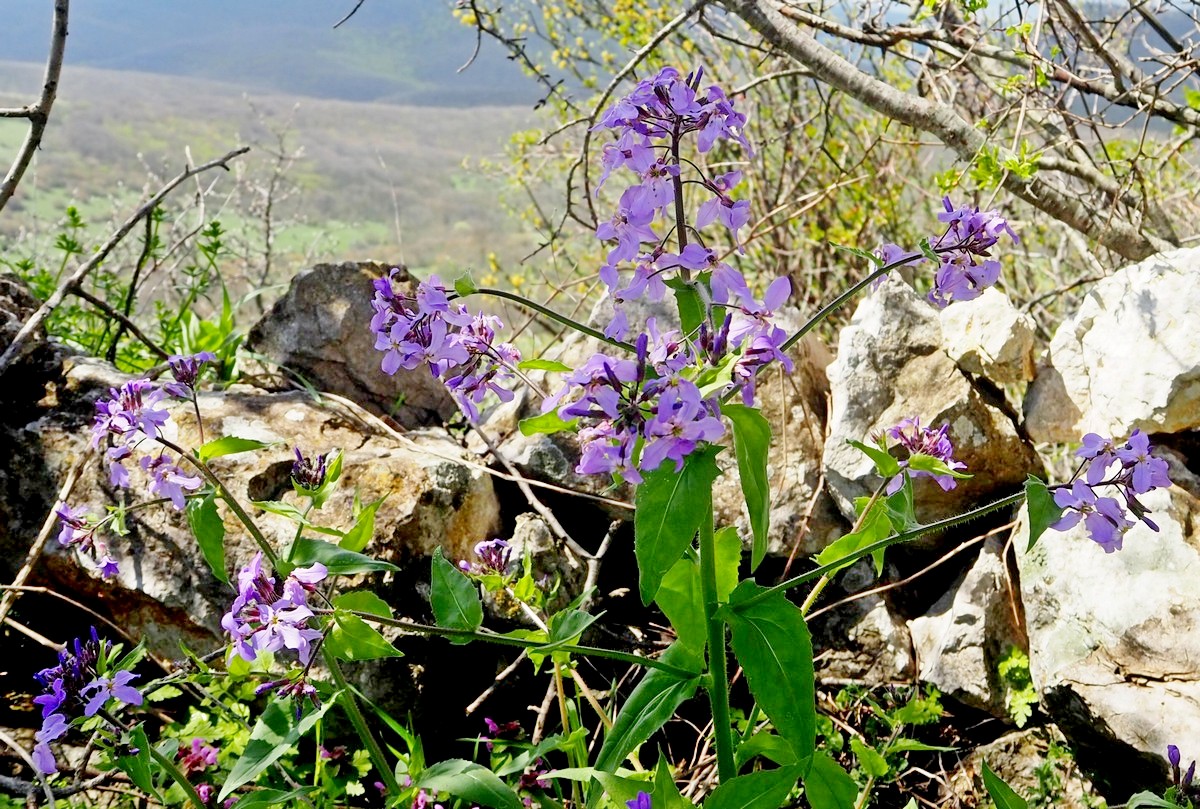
(823, 582)
(177, 776)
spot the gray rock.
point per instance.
(1129, 358)
(320, 330)
(861, 641)
(1036, 763)
(990, 337)
(961, 640)
(891, 364)
(1114, 639)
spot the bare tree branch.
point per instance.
(38, 113)
(941, 120)
(72, 283)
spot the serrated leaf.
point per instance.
(1041, 508)
(137, 766)
(352, 638)
(274, 733)
(566, 626)
(652, 703)
(469, 781)
(544, 365)
(229, 445)
(773, 646)
(751, 442)
(828, 786)
(869, 758)
(1000, 792)
(363, 531)
(454, 598)
(337, 560)
(209, 530)
(874, 527)
(545, 424)
(765, 789)
(669, 508)
(886, 466)
(679, 597)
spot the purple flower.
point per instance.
(263, 618)
(186, 370)
(961, 278)
(494, 556)
(682, 419)
(169, 480)
(309, 473)
(130, 413)
(642, 801)
(1144, 470)
(199, 758)
(106, 688)
(1103, 517)
(763, 347)
(630, 226)
(920, 440)
(80, 530)
(891, 254)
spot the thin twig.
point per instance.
(125, 322)
(39, 112)
(76, 278)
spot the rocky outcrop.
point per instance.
(1128, 358)
(318, 333)
(892, 364)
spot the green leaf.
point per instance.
(209, 530)
(271, 797)
(352, 638)
(828, 786)
(137, 766)
(858, 251)
(670, 506)
(773, 646)
(274, 733)
(869, 758)
(691, 308)
(295, 515)
(912, 745)
(652, 703)
(935, 466)
(544, 365)
(1000, 792)
(769, 746)
(455, 599)
(469, 781)
(874, 527)
(887, 466)
(363, 601)
(765, 789)
(545, 424)
(728, 546)
(1148, 800)
(229, 445)
(464, 285)
(680, 599)
(666, 794)
(1043, 511)
(364, 527)
(337, 560)
(751, 440)
(566, 626)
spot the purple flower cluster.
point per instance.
(75, 688)
(920, 440)
(966, 268)
(186, 370)
(640, 412)
(459, 348)
(1130, 469)
(1182, 781)
(264, 618)
(81, 530)
(198, 758)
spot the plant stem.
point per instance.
(823, 582)
(228, 497)
(177, 776)
(350, 706)
(717, 681)
(895, 539)
(523, 643)
(553, 315)
(840, 300)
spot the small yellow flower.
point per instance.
(516, 280)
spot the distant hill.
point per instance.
(393, 51)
